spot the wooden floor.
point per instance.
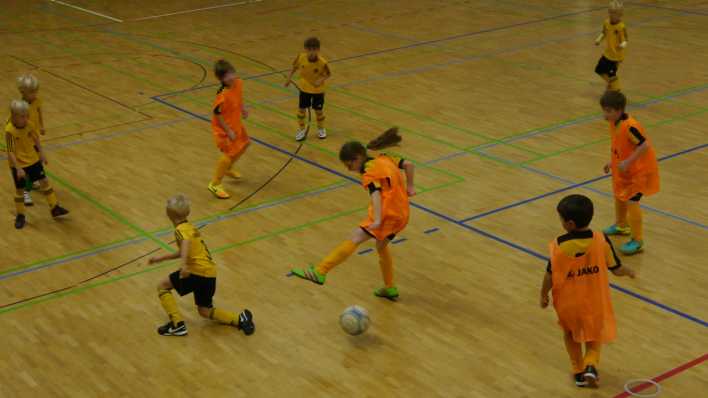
(497, 101)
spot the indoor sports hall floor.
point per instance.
(497, 102)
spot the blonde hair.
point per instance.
(179, 206)
(616, 5)
(27, 83)
(19, 107)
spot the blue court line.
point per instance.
(569, 187)
(607, 194)
(431, 230)
(450, 219)
(399, 240)
(365, 251)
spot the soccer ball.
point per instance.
(354, 320)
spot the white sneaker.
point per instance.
(322, 133)
(28, 199)
(300, 135)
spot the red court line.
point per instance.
(664, 376)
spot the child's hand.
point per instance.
(287, 82)
(153, 260)
(597, 42)
(244, 113)
(231, 134)
(183, 273)
(411, 191)
(630, 273)
(623, 45)
(607, 168)
(43, 159)
(42, 131)
(623, 166)
(544, 301)
(21, 174)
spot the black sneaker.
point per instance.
(169, 329)
(245, 322)
(58, 211)
(591, 376)
(20, 221)
(580, 380)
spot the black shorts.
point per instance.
(307, 100)
(202, 287)
(389, 238)
(636, 198)
(33, 173)
(606, 67)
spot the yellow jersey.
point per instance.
(20, 142)
(199, 261)
(34, 109)
(615, 34)
(310, 72)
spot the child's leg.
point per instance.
(48, 193)
(222, 166)
(20, 201)
(592, 354)
(320, 118)
(575, 352)
(342, 252)
(635, 218)
(621, 213)
(601, 70)
(385, 262)
(219, 315)
(301, 118)
(614, 83)
(167, 300)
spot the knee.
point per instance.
(164, 285)
(204, 312)
(44, 184)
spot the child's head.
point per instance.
(178, 208)
(575, 212)
(28, 86)
(615, 10)
(19, 111)
(353, 154)
(312, 47)
(613, 104)
(225, 72)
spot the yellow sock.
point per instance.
(635, 220)
(614, 84)
(222, 167)
(301, 118)
(592, 353)
(575, 352)
(620, 213)
(337, 256)
(51, 197)
(19, 204)
(320, 119)
(223, 316)
(170, 305)
(386, 263)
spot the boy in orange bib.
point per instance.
(229, 132)
(388, 211)
(635, 170)
(577, 275)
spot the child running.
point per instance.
(615, 34)
(635, 170)
(197, 274)
(314, 71)
(27, 160)
(577, 276)
(228, 129)
(29, 88)
(388, 210)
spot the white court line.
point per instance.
(87, 11)
(240, 3)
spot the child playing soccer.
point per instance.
(26, 158)
(635, 171)
(29, 88)
(615, 34)
(388, 211)
(197, 274)
(314, 71)
(229, 132)
(577, 276)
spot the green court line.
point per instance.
(112, 213)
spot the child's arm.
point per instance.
(41, 121)
(623, 39)
(292, 72)
(409, 169)
(639, 151)
(624, 271)
(600, 37)
(376, 203)
(11, 155)
(37, 145)
(545, 289)
(225, 127)
(170, 256)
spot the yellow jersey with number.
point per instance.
(34, 109)
(199, 261)
(615, 34)
(20, 142)
(310, 72)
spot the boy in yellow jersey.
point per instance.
(314, 71)
(26, 158)
(197, 275)
(615, 34)
(29, 88)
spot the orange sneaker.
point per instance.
(218, 191)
